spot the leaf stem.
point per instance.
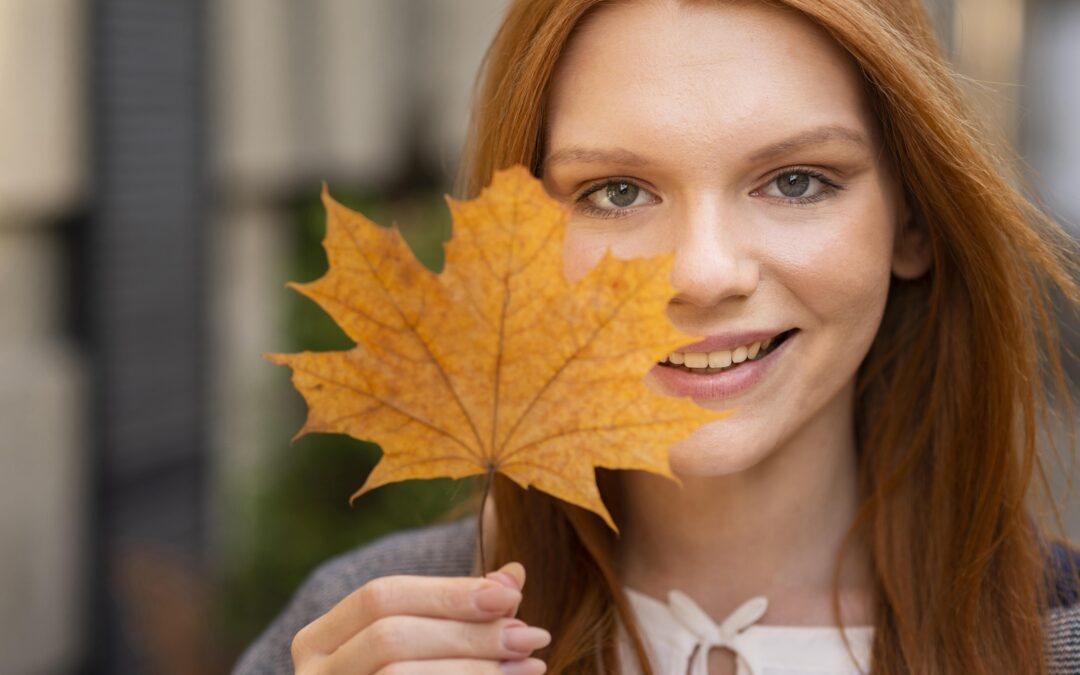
(480, 518)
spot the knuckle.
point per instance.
(455, 598)
(301, 649)
(486, 638)
(388, 638)
(375, 597)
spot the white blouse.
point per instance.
(678, 636)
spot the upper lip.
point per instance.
(730, 340)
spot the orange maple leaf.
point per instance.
(498, 364)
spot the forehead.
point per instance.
(699, 74)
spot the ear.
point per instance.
(912, 254)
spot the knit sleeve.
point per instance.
(439, 550)
(1063, 630)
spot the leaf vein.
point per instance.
(427, 348)
(401, 411)
(562, 368)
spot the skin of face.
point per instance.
(683, 99)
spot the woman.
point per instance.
(843, 234)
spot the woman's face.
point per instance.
(737, 136)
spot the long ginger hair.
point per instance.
(949, 398)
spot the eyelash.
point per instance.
(830, 188)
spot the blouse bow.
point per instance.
(710, 634)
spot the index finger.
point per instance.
(457, 598)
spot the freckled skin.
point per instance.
(768, 492)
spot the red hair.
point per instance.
(949, 397)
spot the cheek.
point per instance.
(585, 245)
(837, 267)
(581, 253)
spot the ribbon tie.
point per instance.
(708, 633)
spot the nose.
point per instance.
(713, 257)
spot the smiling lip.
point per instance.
(726, 383)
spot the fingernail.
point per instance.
(523, 667)
(519, 638)
(495, 598)
(503, 578)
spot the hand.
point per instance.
(401, 625)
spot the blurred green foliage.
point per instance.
(301, 516)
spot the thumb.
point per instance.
(511, 575)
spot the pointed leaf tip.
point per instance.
(277, 359)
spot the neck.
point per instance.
(774, 529)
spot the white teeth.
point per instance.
(719, 359)
(753, 351)
(696, 360)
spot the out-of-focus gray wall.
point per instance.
(1050, 100)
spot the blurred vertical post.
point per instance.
(145, 263)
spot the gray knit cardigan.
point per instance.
(448, 550)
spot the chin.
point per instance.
(705, 453)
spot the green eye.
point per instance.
(793, 184)
(622, 194)
(614, 198)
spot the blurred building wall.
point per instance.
(1051, 101)
(42, 395)
(987, 40)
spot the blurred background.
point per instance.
(160, 165)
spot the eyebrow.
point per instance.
(575, 153)
(815, 136)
